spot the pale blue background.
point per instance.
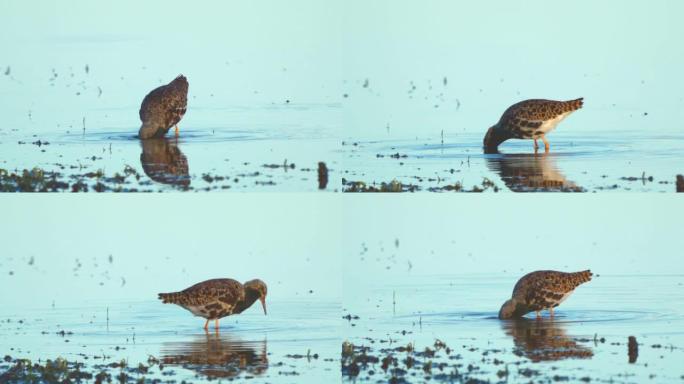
(625, 58)
(292, 242)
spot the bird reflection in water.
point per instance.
(544, 340)
(531, 173)
(164, 162)
(216, 356)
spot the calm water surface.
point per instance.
(72, 84)
(586, 339)
(634, 162)
(271, 348)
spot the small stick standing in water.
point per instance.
(632, 349)
(394, 302)
(322, 175)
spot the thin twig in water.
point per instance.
(394, 302)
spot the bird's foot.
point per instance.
(176, 131)
(546, 144)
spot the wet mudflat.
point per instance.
(444, 328)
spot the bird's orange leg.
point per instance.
(546, 144)
(536, 146)
(216, 324)
(176, 130)
(206, 325)
(551, 312)
(538, 315)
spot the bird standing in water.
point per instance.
(529, 119)
(163, 108)
(541, 290)
(217, 298)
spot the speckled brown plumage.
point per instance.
(542, 290)
(218, 298)
(163, 108)
(529, 119)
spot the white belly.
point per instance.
(196, 310)
(549, 125)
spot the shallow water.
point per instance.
(73, 83)
(95, 275)
(263, 348)
(587, 337)
(636, 162)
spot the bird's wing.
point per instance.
(547, 289)
(169, 100)
(530, 113)
(227, 291)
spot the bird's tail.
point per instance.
(169, 297)
(573, 105)
(582, 276)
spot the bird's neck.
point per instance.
(495, 136)
(251, 296)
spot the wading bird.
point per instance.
(217, 298)
(163, 108)
(541, 290)
(529, 119)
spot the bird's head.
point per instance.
(258, 288)
(512, 309)
(180, 83)
(493, 138)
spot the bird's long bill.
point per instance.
(263, 303)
